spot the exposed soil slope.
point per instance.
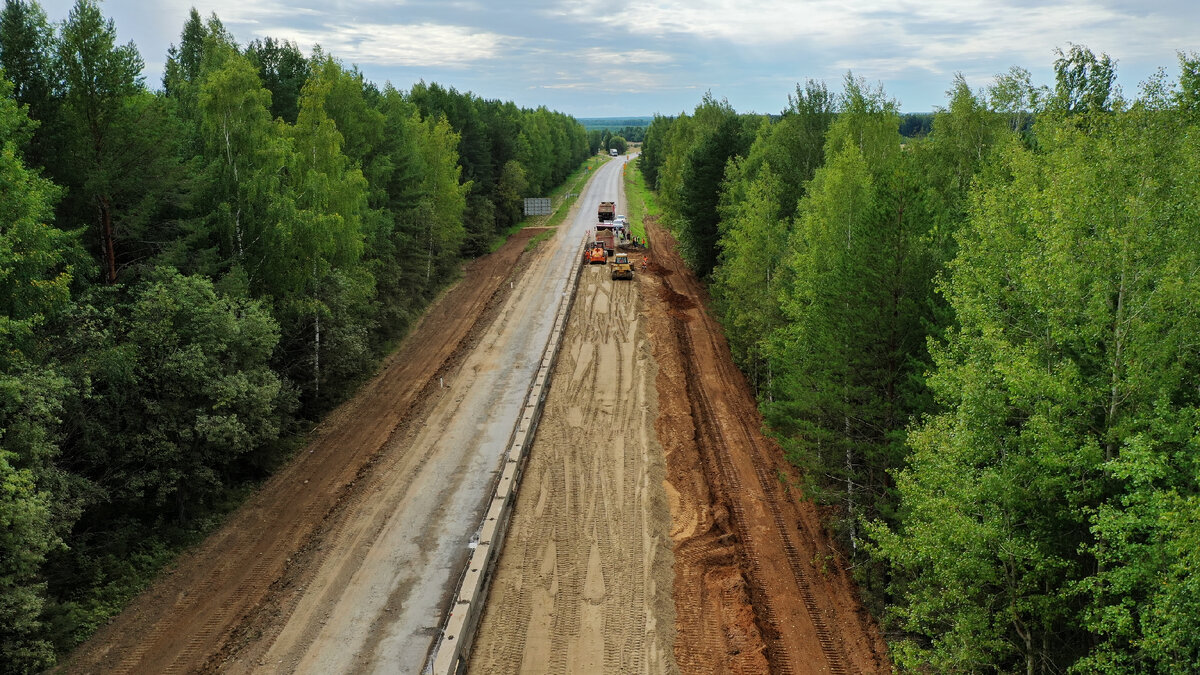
(758, 585)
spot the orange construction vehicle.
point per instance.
(597, 254)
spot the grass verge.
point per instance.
(641, 200)
(538, 238)
(561, 199)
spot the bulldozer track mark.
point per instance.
(780, 656)
(712, 443)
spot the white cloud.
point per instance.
(640, 56)
(241, 11)
(740, 48)
(930, 34)
(610, 80)
(425, 44)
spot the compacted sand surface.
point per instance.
(584, 582)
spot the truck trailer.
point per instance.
(606, 238)
(607, 211)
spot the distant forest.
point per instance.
(193, 273)
(979, 341)
(614, 123)
(912, 125)
(631, 129)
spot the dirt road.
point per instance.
(584, 581)
(758, 586)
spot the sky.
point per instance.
(610, 58)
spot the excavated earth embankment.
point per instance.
(758, 585)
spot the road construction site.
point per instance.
(652, 529)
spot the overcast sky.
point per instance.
(604, 58)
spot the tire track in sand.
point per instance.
(584, 582)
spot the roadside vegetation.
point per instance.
(563, 197)
(979, 343)
(193, 274)
(639, 199)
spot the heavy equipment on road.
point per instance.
(620, 268)
(606, 237)
(607, 211)
(595, 254)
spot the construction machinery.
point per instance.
(596, 254)
(606, 212)
(606, 237)
(621, 268)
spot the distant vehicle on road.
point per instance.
(613, 152)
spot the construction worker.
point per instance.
(645, 262)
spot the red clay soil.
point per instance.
(188, 619)
(758, 584)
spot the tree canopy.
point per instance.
(978, 342)
(191, 276)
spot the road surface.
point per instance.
(377, 597)
(584, 583)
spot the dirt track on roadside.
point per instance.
(758, 585)
(217, 595)
(584, 581)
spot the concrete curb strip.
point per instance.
(453, 646)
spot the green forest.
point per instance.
(632, 129)
(192, 274)
(980, 344)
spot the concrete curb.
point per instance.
(453, 646)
